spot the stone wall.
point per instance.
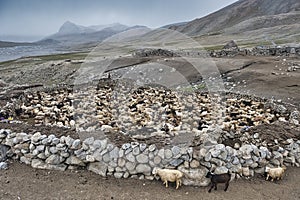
(138, 159)
(192, 143)
(230, 52)
(257, 51)
(153, 52)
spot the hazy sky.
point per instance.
(39, 18)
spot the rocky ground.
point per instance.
(269, 78)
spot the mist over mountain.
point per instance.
(70, 34)
(71, 28)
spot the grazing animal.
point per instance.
(171, 175)
(275, 173)
(218, 178)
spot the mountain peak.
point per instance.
(67, 23)
(69, 27)
(70, 33)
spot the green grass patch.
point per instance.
(282, 41)
(51, 57)
(193, 88)
(214, 48)
(215, 33)
(64, 56)
(15, 62)
(7, 62)
(252, 44)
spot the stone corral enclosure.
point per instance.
(126, 133)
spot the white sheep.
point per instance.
(275, 173)
(171, 175)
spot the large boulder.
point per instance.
(98, 168)
(195, 177)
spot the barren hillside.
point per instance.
(244, 15)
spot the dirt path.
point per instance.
(23, 182)
(266, 77)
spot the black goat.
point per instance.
(218, 178)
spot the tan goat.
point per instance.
(171, 175)
(275, 173)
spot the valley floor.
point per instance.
(265, 76)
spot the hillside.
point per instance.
(239, 12)
(13, 44)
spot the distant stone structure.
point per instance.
(231, 45)
(231, 49)
(153, 52)
(257, 51)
